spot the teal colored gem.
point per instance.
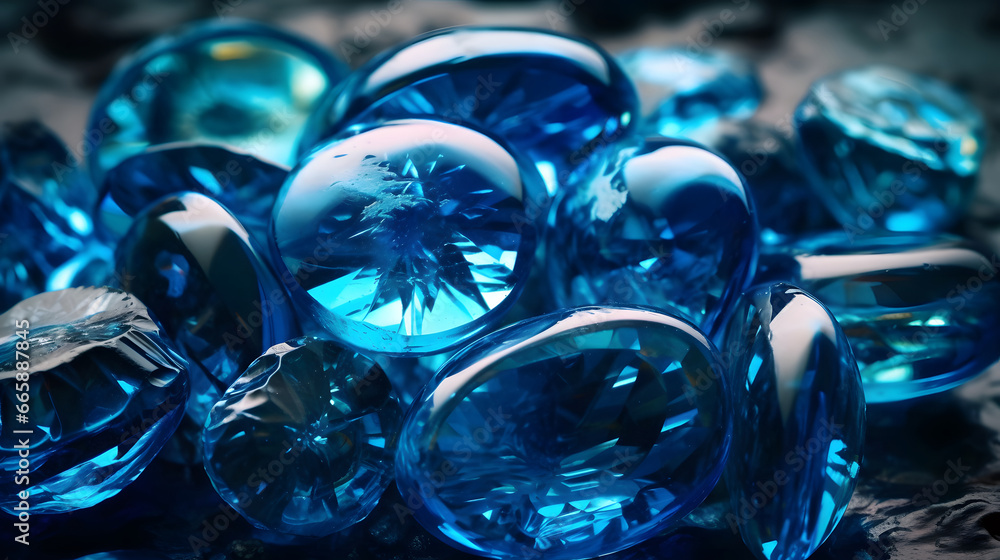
(571, 435)
(799, 422)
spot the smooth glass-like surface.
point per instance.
(919, 310)
(408, 238)
(561, 101)
(684, 94)
(798, 422)
(303, 442)
(229, 83)
(245, 185)
(670, 225)
(105, 393)
(890, 150)
(567, 436)
(47, 239)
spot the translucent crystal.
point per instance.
(890, 150)
(104, 394)
(799, 422)
(245, 185)
(46, 233)
(303, 442)
(670, 225)
(918, 309)
(684, 94)
(571, 435)
(406, 246)
(561, 101)
(228, 83)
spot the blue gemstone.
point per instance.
(685, 94)
(236, 84)
(303, 442)
(918, 309)
(124, 555)
(785, 204)
(567, 436)
(245, 185)
(798, 422)
(670, 225)
(105, 394)
(210, 287)
(46, 233)
(406, 247)
(561, 101)
(890, 150)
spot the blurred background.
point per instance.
(52, 71)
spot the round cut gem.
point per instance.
(303, 442)
(571, 435)
(405, 246)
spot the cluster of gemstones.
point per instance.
(554, 296)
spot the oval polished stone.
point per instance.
(798, 422)
(670, 225)
(570, 435)
(408, 238)
(919, 310)
(230, 83)
(245, 185)
(890, 150)
(303, 442)
(685, 94)
(561, 101)
(105, 393)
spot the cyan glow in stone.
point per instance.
(46, 233)
(245, 185)
(105, 394)
(670, 225)
(799, 422)
(890, 150)
(303, 442)
(685, 94)
(919, 310)
(227, 83)
(567, 436)
(561, 101)
(405, 246)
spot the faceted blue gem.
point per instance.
(236, 84)
(567, 436)
(46, 233)
(405, 247)
(245, 185)
(890, 150)
(685, 94)
(918, 309)
(785, 204)
(670, 225)
(303, 442)
(104, 393)
(561, 101)
(798, 422)
(196, 268)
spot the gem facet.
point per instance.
(890, 150)
(326, 416)
(670, 225)
(798, 422)
(919, 310)
(105, 393)
(243, 85)
(403, 246)
(561, 101)
(685, 94)
(245, 185)
(570, 435)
